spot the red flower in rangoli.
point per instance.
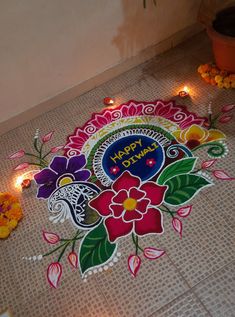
(130, 206)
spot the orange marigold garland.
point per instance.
(10, 214)
(220, 78)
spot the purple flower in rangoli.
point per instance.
(61, 171)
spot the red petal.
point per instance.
(142, 205)
(117, 210)
(136, 193)
(151, 223)
(102, 203)
(47, 137)
(117, 228)
(220, 174)
(120, 197)
(17, 154)
(154, 192)
(132, 215)
(134, 262)
(126, 181)
(21, 166)
(54, 272)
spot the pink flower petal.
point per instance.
(102, 202)
(47, 137)
(225, 118)
(153, 253)
(177, 226)
(184, 211)
(207, 164)
(227, 108)
(50, 237)
(151, 223)
(17, 154)
(54, 272)
(117, 228)
(126, 181)
(73, 259)
(21, 166)
(57, 148)
(134, 262)
(154, 192)
(220, 174)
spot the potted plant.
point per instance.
(219, 19)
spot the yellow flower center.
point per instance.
(65, 180)
(129, 204)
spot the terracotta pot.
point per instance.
(224, 50)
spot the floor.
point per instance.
(195, 278)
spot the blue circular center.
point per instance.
(140, 155)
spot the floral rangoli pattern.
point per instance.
(121, 174)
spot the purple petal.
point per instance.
(76, 163)
(59, 164)
(82, 175)
(45, 176)
(45, 191)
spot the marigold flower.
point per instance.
(4, 232)
(10, 213)
(12, 224)
(218, 78)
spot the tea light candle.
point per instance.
(184, 93)
(108, 101)
(26, 183)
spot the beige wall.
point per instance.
(49, 46)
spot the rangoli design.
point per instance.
(121, 174)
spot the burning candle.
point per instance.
(184, 93)
(108, 101)
(26, 183)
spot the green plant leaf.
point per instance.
(95, 248)
(182, 166)
(182, 188)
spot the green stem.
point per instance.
(73, 245)
(37, 164)
(171, 212)
(46, 154)
(37, 157)
(63, 251)
(35, 144)
(66, 241)
(74, 239)
(54, 250)
(136, 243)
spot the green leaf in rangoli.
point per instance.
(182, 188)
(95, 248)
(182, 166)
